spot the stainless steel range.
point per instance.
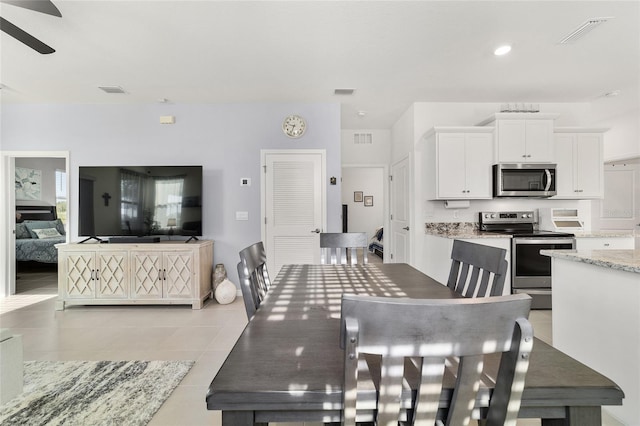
(530, 271)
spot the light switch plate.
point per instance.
(242, 215)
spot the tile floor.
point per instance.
(146, 332)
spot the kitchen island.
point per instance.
(596, 317)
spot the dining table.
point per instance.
(287, 365)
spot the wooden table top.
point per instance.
(288, 358)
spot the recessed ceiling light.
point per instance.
(502, 50)
(362, 113)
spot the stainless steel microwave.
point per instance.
(524, 180)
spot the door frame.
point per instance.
(263, 186)
(385, 194)
(7, 212)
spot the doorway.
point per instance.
(8, 211)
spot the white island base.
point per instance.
(596, 318)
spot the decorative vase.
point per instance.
(225, 292)
(219, 275)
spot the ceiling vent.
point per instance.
(344, 91)
(111, 89)
(583, 29)
(362, 139)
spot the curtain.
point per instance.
(131, 202)
(168, 201)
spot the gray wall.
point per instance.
(224, 138)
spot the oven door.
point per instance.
(530, 269)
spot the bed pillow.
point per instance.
(378, 234)
(44, 224)
(46, 233)
(22, 233)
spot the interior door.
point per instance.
(294, 206)
(400, 212)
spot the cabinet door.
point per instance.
(478, 160)
(146, 275)
(539, 141)
(565, 173)
(178, 274)
(589, 165)
(79, 275)
(112, 277)
(511, 136)
(451, 165)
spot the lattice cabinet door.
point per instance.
(113, 275)
(79, 275)
(146, 274)
(179, 273)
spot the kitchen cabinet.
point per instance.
(605, 243)
(579, 163)
(158, 273)
(459, 161)
(523, 137)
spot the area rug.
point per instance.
(93, 392)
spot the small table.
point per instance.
(288, 366)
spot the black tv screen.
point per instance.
(140, 201)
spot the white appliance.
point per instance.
(560, 219)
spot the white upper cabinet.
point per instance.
(523, 137)
(459, 161)
(580, 165)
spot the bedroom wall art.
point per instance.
(28, 184)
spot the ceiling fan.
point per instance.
(42, 6)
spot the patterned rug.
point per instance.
(93, 392)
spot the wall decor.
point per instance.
(368, 200)
(28, 184)
(357, 196)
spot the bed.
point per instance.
(376, 243)
(38, 230)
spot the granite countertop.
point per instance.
(459, 230)
(624, 260)
(604, 234)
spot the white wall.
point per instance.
(225, 139)
(369, 180)
(48, 167)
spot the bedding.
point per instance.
(36, 240)
(376, 244)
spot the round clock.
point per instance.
(294, 126)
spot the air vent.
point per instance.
(344, 91)
(111, 89)
(583, 29)
(362, 138)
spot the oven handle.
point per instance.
(536, 240)
(548, 185)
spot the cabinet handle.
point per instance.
(164, 274)
(97, 275)
(606, 244)
(524, 155)
(93, 271)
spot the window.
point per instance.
(61, 195)
(168, 201)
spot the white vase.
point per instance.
(225, 292)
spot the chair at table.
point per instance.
(334, 247)
(249, 294)
(431, 336)
(477, 270)
(254, 265)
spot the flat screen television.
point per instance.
(140, 201)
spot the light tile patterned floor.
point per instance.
(146, 332)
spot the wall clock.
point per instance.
(294, 126)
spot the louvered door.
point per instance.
(294, 207)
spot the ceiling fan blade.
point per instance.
(42, 6)
(25, 37)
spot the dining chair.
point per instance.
(477, 270)
(249, 294)
(254, 261)
(443, 340)
(334, 247)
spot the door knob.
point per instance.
(406, 228)
(317, 230)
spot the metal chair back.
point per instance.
(334, 247)
(477, 270)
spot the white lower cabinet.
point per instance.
(605, 243)
(161, 273)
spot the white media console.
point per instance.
(169, 272)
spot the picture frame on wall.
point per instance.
(357, 196)
(368, 201)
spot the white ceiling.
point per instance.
(393, 53)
